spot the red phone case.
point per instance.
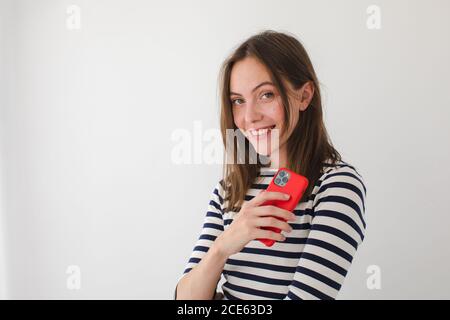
(295, 187)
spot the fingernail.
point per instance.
(286, 196)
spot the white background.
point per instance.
(87, 117)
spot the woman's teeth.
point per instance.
(261, 132)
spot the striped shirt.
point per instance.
(315, 257)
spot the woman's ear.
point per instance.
(305, 95)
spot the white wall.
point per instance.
(89, 116)
(5, 37)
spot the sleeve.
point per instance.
(337, 229)
(213, 226)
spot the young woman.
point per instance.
(269, 84)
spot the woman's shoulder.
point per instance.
(342, 172)
(342, 189)
(218, 193)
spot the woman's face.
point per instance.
(257, 107)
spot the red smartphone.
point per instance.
(289, 182)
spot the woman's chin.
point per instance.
(262, 147)
(263, 151)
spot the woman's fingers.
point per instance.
(273, 222)
(266, 196)
(268, 234)
(264, 211)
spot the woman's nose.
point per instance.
(252, 114)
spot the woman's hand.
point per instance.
(247, 222)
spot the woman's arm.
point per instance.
(200, 283)
(206, 263)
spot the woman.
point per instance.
(269, 85)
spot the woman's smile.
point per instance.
(261, 132)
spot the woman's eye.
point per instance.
(233, 102)
(268, 93)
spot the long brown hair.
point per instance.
(308, 146)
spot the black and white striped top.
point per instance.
(315, 257)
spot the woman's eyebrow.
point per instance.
(259, 85)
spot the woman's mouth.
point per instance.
(261, 131)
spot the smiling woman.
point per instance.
(269, 84)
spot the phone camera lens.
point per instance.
(278, 181)
(282, 173)
(285, 179)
